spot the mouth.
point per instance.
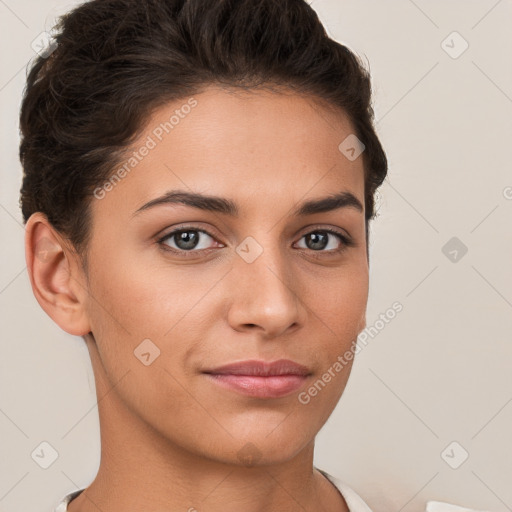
(261, 379)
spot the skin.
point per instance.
(171, 438)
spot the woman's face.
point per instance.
(265, 284)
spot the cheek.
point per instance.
(134, 302)
(339, 302)
(145, 299)
(130, 305)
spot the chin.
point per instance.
(263, 449)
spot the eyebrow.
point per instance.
(226, 206)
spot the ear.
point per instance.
(57, 279)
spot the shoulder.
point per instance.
(62, 506)
(354, 501)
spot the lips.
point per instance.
(261, 368)
(260, 379)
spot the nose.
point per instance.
(265, 295)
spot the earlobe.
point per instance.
(57, 281)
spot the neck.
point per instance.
(142, 470)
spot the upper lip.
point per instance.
(261, 368)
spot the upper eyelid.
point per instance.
(185, 228)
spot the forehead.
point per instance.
(257, 147)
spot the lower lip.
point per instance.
(260, 387)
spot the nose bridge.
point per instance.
(263, 289)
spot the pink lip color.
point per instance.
(261, 379)
(261, 387)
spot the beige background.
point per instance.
(438, 373)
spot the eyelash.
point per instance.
(346, 242)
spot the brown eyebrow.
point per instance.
(343, 199)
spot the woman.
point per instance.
(198, 181)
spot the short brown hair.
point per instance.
(117, 60)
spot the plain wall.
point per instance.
(435, 374)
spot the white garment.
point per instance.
(354, 501)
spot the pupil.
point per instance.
(189, 241)
(319, 240)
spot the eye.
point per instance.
(186, 240)
(327, 240)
